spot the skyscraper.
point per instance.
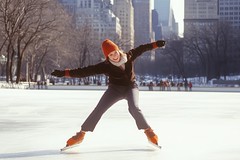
(163, 8)
(123, 9)
(157, 29)
(142, 22)
(166, 18)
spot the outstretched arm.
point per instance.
(81, 72)
(146, 47)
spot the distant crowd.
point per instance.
(164, 85)
(167, 85)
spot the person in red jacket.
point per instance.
(119, 67)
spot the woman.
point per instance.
(119, 67)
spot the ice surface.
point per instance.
(35, 124)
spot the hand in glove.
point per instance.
(160, 43)
(58, 73)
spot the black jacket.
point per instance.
(116, 75)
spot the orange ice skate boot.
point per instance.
(78, 138)
(152, 137)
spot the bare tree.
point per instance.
(25, 22)
(174, 49)
(211, 45)
(196, 48)
(8, 30)
(81, 50)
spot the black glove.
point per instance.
(160, 43)
(58, 73)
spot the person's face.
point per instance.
(114, 56)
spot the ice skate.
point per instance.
(74, 141)
(152, 138)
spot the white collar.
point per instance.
(122, 61)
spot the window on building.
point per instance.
(81, 4)
(89, 3)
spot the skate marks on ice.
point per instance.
(29, 154)
(82, 150)
(76, 150)
(112, 152)
(80, 147)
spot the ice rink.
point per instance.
(35, 124)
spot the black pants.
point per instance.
(113, 94)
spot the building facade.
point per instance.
(229, 11)
(123, 9)
(98, 16)
(142, 22)
(69, 5)
(199, 14)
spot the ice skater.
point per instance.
(119, 67)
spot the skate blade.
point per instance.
(69, 147)
(154, 146)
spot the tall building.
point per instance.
(142, 22)
(175, 29)
(98, 16)
(199, 13)
(157, 29)
(163, 8)
(123, 9)
(69, 5)
(229, 11)
(166, 18)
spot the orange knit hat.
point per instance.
(108, 46)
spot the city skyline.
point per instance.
(178, 9)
